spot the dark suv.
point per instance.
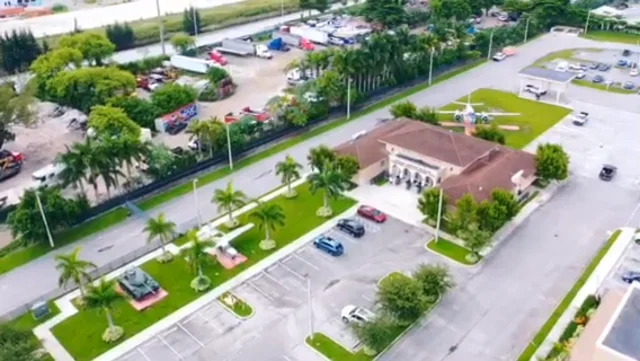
(608, 172)
(351, 226)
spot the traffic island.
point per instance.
(332, 350)
(236, 305)
(453, 251)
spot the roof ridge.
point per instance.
(455, 149)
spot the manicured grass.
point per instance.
(567, 54)
(534, 119)
(613, 88)
(26, 322)
(451, 250)
(333, 350)
(531, 349)
(381, 181)
(25, 255)
(100, 223)
(611, 36)
(81, 333)
(239, 307)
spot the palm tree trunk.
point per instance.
(128, 170)
(81, 287)
(266, 231)
(200, 275)
(230, 217)
(109, 318)
(325, 200)
(288, 186)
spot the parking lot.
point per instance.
(629, 262)
(280, 298)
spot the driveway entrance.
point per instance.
(395, 200)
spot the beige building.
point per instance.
(613, 332)
(428, 155)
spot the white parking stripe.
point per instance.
(291, 271)
(275, 280)
(367, 298)
(208, 321)
(143, 354)
(307, 262)
(170, 348)
(286, 358)
(260, 291)
(191, 335)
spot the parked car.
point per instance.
(581, 75)
(597, 79)
(329, 245)
(336, 41)
(580, 118)
(631, 276)
(622, 62)
(577, 67)
(356, 314)
(176, 127)
(535, 90)
(628, 85)
(594, 66)
(499, 57)
(503, 17)
(626, 52)
(604, 67)
(607, 172)
(372, 214)
(633, 72)
(351, 226)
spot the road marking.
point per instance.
(286, 358)
(275, 280)
(325, 256)
(143, 354)
(367, 298)
(307, 262)
(170, 347)
(207, 321)
(191, 335)
(292, 271)
(260, 291)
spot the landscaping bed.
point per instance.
(451, 250)
(236, 305)
(580, 319)
(81, 333)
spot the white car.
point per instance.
(577, 67)
(356, 314)
(503, 17)
(581, 75)
(633, 72)
(499, 57)
(535, 90)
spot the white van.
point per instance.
(47, 176)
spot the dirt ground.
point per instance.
(258, 81)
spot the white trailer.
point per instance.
(192, 64)
(244, 48)
(313, 35)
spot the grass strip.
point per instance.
(600, 86)
(27, 322)
(236, 305)
(80, 334)
(542, 334)
(611, 36)
(333, 350)
(448, 249)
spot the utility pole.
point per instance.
(195, 196)
(526, 29)
(195, 21)
(439, 214)
(431, 65)
(282, 10)
(349, 99)
(44, 219)
(586, 24)
(490, 46)
(229, 146)
(310, 306)
(164, 51)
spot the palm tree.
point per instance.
(331, 182)
(163, 229)
(228, 200)
(289, 169)
(74, 171)
(197, 256)
(269, 216)
(129, 150)
(72, 268)
(102, 296)
(206, 132)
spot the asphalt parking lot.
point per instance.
(628, 262)
(280, 298)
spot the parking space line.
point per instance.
(286, 358)
(144, 355)
(190, 335)
(260, 291)
(292, 271)
(208, 321)
(328, 258)
(170, 348)
(275, 280)
(367, 298)
(307, 262)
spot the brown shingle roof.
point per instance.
(367, 148)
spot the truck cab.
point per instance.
(263, 52)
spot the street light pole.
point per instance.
(526, 29)
(164, 52)
(229, 146)
(490, 46)
(349, 99)
(310, 306)
(586, 24)
(431, 65)
(195, 196)
(44, 219)
(282, 10)
(195, 21)
(439, 215)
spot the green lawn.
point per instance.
(20, 257)
(25, 255)
(534, 119)
(333, 350)
(450, 250)
(81, 333)
(567, 54)
(240, 307)
(614, 88)
(531, 348)
(26, 322)
(615, 37)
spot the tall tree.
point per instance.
(491, 133)
(102, 296)
(388, 13)
(491, 216)
(376, 334)
(428, 205)
(164, 230)
(128, 151)
(141, 111)
(459, 10)
(95, 47)
(404, 109)
(401, 296)
(434, 279)
(331, 183)
(228, 200)
(319, 156)
(506, 199)
(72, 268)
(121, 35)
(552, 162)
(19, 49)
(191, 22)
(348, 166)
(182, 43)
(269, 216)
(197, 256)
(475, 240)
(289, 170)
(108, 122)
(17, 344)
(172, 97)
(74, 170)
(15, 108)
(206, 133)
(465, 213)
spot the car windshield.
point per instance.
(607, 170)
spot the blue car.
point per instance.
(629, 277)
(604, 67)
(597, 79)
(622, 63)
(628, 85)
(329, 245)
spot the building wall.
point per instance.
(367, 174)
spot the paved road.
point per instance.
(37, 278)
